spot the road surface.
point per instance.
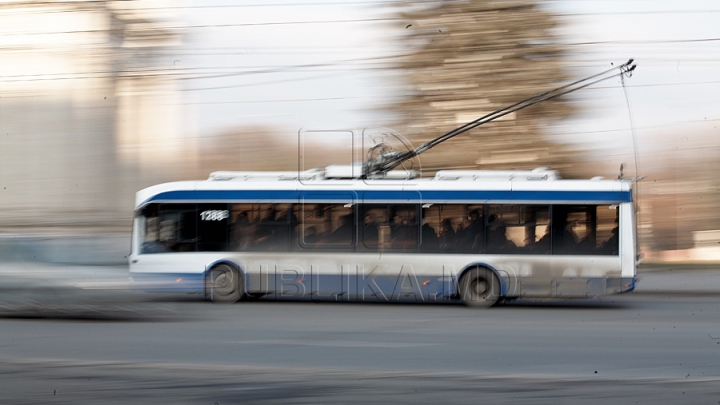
(659, 345)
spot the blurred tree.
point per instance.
(470, 58)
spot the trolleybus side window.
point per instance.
(242, 227)
(375, 227)
(262, 227)
(584, 230)
(403, 228)
(607, 238)
(453, 228)
(327, 226)
(169, 228)
(470, 233)
(429, 229)
(389, 227)
(522, 229)
(399, 228)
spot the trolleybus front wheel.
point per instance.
(224, 284)
(479, 288)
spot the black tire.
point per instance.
(479, 288)
(224, 284)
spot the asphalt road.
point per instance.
(659, 345)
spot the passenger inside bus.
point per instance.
(343, 233)
(447, 236)
(497, 240)
(403, 230)
(429, 241)
(310, 236)
(611, 245)
(543, 244)
(240, 231)
(470, 234)
(370, 230)
(569, 237)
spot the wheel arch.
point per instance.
(228, 262)
(502, 276)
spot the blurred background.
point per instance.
(99, 99)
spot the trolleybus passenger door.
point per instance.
(584, 249)
(326, 243)
(390, 242)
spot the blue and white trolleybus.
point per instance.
(368, 232)
(479, 236)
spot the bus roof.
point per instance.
(541, 186)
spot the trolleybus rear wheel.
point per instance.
(479, 288)
(224, 284)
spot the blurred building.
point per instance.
(86, 111)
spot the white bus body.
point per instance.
(479, 236)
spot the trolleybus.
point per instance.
(367, 232)
(476, 236)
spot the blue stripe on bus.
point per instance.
(410, 196)
(608, 196)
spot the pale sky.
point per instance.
(282, 65)
(676, 45)
(309, 64)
